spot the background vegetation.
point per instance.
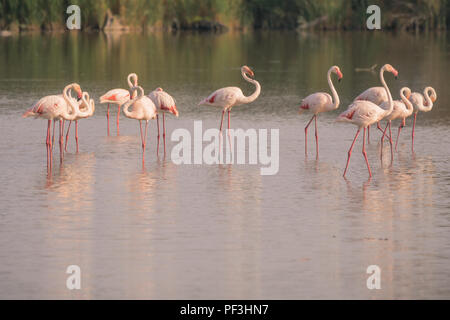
(266, 14)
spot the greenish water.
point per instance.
(227, 232)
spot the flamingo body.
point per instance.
(376, 95)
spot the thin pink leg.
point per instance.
(76, 134)
(107, 117)
(229, 119)
(157, 121)
(382, 140)
(398, 134)
(390, 141)
(306, 135)
(53, 138)
(413, 129)
(51, 145)
(368, 134)
(61, 140)
(67, 135)
(317, 138)
(118, 116)
(381, 130)
(350, 151)
(365, 153)
(221, 121)
(164, 132)
(48, 143)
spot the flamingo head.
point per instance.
(159, 89)
(338, 72)
(247, 71)
(133, 76)
(408, 92)
(174, 111)
(433, 95)
(78, 90)
(391, 69)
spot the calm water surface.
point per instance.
(197, 232)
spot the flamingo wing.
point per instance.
(118, 96)
(377, 95)
(47, 107)
(316, 102)
(224, 97)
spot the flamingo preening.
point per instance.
(422, 103)
(164, 103)
(143, 108)
(87, 106)
(320, 102)
(364, 113)
(229, 97)
(56, 107)
(402, 109)
(119, 97)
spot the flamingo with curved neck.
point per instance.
(87, 109)
(422, 103)
(229, 97)
(143, 109)
(52, 108)
(320, 102)
(364, 113)
(118, 97)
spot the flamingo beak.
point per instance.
(395, 72)
(340, 75)
(250, 72)
(80, 96)
(174, 111)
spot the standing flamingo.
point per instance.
(365, 113)
(143, 108)
(119, 97)
(52, 108)
(376, 95)
(164, 103)
(422, 103)
(402, 109)
(229, 97)
(320, 102)
(87, 106)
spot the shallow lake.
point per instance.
(171, 231)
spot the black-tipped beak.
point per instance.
(339, 80)
(396, 77)
(78, 99)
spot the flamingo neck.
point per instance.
(408, 104)
(255, 94)
(391, 102)
(336, 102)
(72, 105)
(135, 98)
(429, 103)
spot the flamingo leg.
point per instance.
(221, 122)
(382, 140)
(317, 137)
(157, 121)
(53, 138)
(350, 151)
(306, 135)
(413, 130)
(398, 134)
(76, 134)
(67, 135)
(368, 134)
(381, 130)
(365, 153)
(107, 117)
(61, 141)
(48, 143)
(164, 132)
(390, 141)
(118, 116)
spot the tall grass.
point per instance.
(270, 14)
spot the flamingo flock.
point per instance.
(369, 108)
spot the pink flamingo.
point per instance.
(364, 113)
(119, 97)
(164, 103)
(52, 108)
(402, 110)
(87, 107)
(422, 103)
(376, 95)
(143, 108)
(320, 102)
(229, 97)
